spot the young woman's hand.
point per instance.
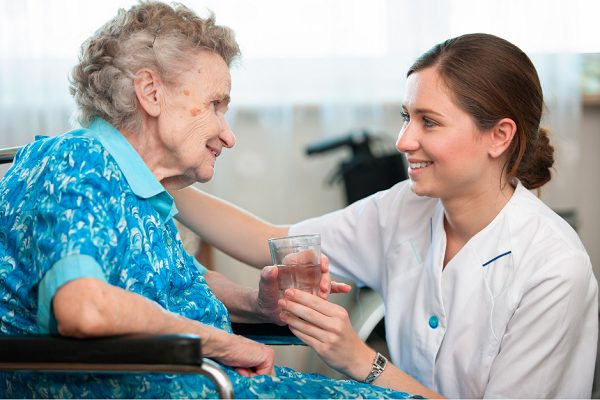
(327, 329)
(268, 292)
(327, 285)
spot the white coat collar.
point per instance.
(497, 239)
(492, 242)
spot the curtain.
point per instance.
(311, 70)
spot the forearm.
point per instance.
(227, 227)
(391, 378)
(88, 307)
(240, 301)
(394, 378)
(326, 328)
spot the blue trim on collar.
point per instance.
(431, 228)
(143, 183)
(495, 258)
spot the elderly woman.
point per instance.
(88, 246)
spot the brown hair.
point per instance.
(150, 34)
(490, 78)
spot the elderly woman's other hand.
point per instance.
(268, 292)
(249, 358)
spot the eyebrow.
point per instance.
(221, 96)
(423, 111)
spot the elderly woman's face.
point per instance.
(193, 125)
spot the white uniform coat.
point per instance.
(514, 314)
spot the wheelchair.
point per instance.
(177, 354)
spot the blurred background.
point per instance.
(321, 70)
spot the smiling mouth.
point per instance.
(420, 165)
(214, 152)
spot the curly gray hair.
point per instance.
(151, 35)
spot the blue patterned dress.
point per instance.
(84, 204)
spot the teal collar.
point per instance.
(143, 183)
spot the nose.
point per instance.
(407, 139)
(226, 136)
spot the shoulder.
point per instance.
(533, 222)
(392, 213)
(70, 150)
(72, 163)
(73, 146)
(544, 245)
(399, 201)
(386, 207)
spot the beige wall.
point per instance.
(589, 213)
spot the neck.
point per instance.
(152, 151)
(465, 217)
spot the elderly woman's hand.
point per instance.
(268, 292)
(249, 358)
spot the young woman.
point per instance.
(488, 292)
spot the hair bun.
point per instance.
(535, 172)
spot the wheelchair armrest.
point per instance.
(7, 155)
(133, 349)
(179, 354)
(267, 333)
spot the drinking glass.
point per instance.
(298, 259)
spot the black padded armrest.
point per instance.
(267, 333)
(134, 349)
(249, 330)
(174, 354)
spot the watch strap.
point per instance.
(377, 368)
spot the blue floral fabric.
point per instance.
(67, 199)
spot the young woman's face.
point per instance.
(447, 153)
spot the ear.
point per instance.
(149, 91)
(501, 137)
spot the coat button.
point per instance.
(434, 322)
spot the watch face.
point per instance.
(380, 361)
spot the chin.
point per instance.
(205, 177)
(420, 190)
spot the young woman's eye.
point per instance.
(428, 123)
(405, 116)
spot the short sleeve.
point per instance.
(354, 238)
(549, 347)
(65, 270)
(79, 226)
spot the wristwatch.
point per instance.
(378, 366)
